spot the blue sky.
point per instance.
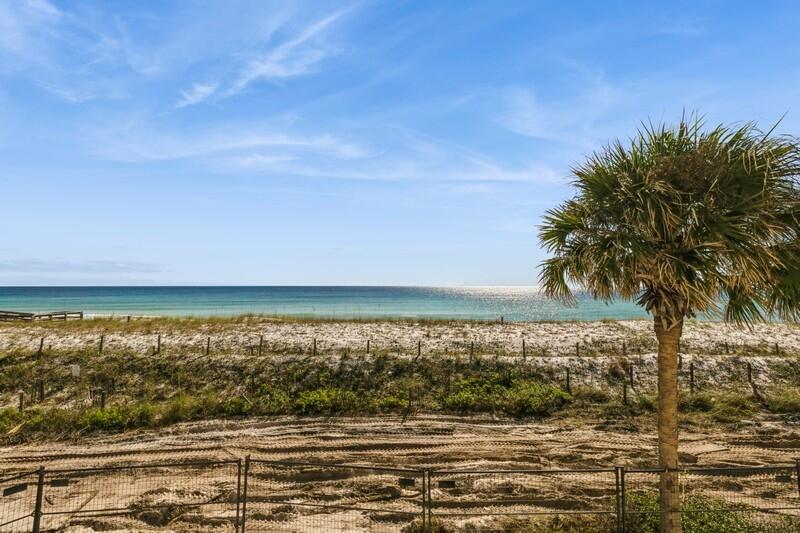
(342, 143)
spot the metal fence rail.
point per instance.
(18, 501)
(305, 497)
(269, 496)
(491, 500)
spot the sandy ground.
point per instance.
(288, 498)
(541, 338)
(422, 441)
(445, 443)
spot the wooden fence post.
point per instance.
(524, 354)
(260, 344)
(569, 385)
(158, 349)
(471, 351)
(419, 348)
(102, 339)
(367, 346)
(691, 377)
(208, 345)
(314, 347)
(749, 373)
(577, 349)
(41, 346)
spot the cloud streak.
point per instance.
(196, 94)
(295, 57)
(141, 146)
(50, 266)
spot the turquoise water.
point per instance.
(513, 303)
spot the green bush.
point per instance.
(236, 406)
(111, 419)
(592, 395)
(9, 419)
(530, 398)
(475, 393)
(327, 401)
(272, 400)
(702, 515)
(731, 407)
(142, 415)
(723, 406)
(699, 401)
(784, 400)
(391, 403)
(180, 409)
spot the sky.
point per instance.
(349, 143)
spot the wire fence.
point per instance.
(270, 496)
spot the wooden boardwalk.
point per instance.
(9, 316)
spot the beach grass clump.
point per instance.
(518, 398)
(725, 406)
(330, 400)
(783, 400)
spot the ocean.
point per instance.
(481, 303)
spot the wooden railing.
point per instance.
(8, 316)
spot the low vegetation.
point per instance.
(144, 392)
(700, 515)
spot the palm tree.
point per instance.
(683, 220)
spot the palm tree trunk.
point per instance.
(669, 495)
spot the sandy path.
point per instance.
(423, 441)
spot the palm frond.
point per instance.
(684, 220)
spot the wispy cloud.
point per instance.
(570, 121)
(249, 145)
(680, 28)
(196, 94)
(406, 164)
(295, 57)
(22, 22)
(48, 266)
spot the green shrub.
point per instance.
(180, 409)
(699, 401)
(236, 406)
(784, 400)
(111, 419)
(731, 407)
(475, 393)
(530, 398)
(723, 406)
(272, 400)
(646, 402)
(142, 415)
(391, 403)
(702, 515)
(594, 395)
(9, 419)
(327, 401)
